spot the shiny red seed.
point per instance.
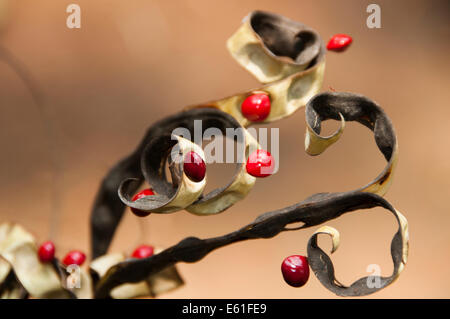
(295, 270)
(339, 42)
(143, 251)
(260, 164)
(141, 194)
(194, 167)
(46, 252)
(256, 107)
(74, 257)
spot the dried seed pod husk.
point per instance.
(161, 282)
(148, 160)
(352, 107)
(18, 248)
(287, 55)
(10, 287)
(5, 269)
(187, 194)
(242, 182)
(323, 268)
(313, 211)
(168, 199)
(100, 266)
(76, 280)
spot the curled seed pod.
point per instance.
(183, 192)
(141, 194)
(19, 254)
(153, 285)
(168, 199)
(315, 210)
(323, 268)
(352, 107)
(287, 55)
(290, 58)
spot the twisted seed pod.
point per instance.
(163, 281)
(23, 273)
(352, 107)
(186, 195)
(275, 49)
(289, 57)
(154, 158)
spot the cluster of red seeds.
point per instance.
(256, 108)
(46, 254)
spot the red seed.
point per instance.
(74, 257)
(260, 164)
(46, 252)
(143, 251)
(194, 167)
(295, 270)
(256, 107)
(339, 42)
(141, 194)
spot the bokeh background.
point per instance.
(134, 62)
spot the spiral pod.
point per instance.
(182, 192)
(288, 58)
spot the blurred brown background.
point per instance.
(133, 62)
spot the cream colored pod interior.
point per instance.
(286, 96)
(383, 181)
(19, 251)
(366, 112)
(189, 194)
(321, 265)
(290, 83)
(154, 285)
(249, 49)
(316, 144)
(187, 191)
